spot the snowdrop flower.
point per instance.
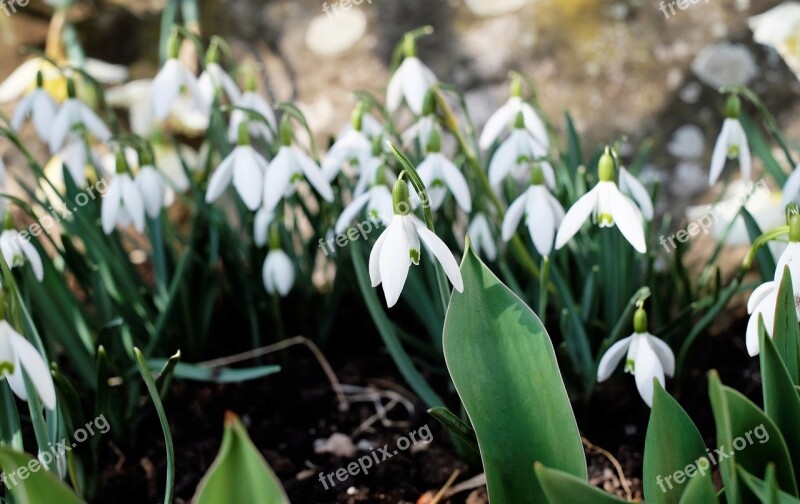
(261, 223)
(153, 189)
(648, 357)
(764, 298)
(543, 215)
(481, 237)
(171, 82)
(246, 168)
(377, 199)
(352, 147)
(411, 81)
(134, 97)
(25, 77)
(122, 203)
(289, 167)
(420, 131)
(40, 107)
(505, 116)
(731, 143)
(251, 100)
(73, 113)
(278, 270)
(608, 206)
(214, 77)
(440, 174)
(399, 246)
(18, 250)
(515, 155)
(16, 354)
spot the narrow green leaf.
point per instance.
(162, 417)
(786, 330)
(673, 443)
(239, 473)
(564, 488)
(700, 488)
(746, 436)
(781, 402)
(760, 488)
(186, 371)
(455, 425)
(505, 371)
(766, 263)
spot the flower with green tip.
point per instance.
(18, 250)
(39, 107)
(647, 357)
(245, 168)
(411, 81)
(399, 246)
(608, 206)
(731, 143)
(481, 238)
(17, 354)
(543, 215)
(516, 155)
(71, 114)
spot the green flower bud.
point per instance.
(794, 228)
(519, 121)
(733, 107)
(400, 197)
(537, 175)
(516, 87)
(244, 133)
(122, 163)
(39, 79)
(174, 44)
(71, 88)
(286, 132)
(409, 46)
(640, 321)
(605, 168)
(435, 142)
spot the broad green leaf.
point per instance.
(564, 488)
(762, 489)
(30, 483)
(673, 443)
(787, 333)
(239, 473)
(781, 402)
(700, 487)
(746, 436)
(505, 372)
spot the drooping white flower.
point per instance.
(134, 97)
(73, 113)
(648, 357)
(214, 77)
(764, 298)
(253, 101)
(399, 246)
(24, 77)
(278, 273)
(439, 175)
(172, 81)
(370, 126)
(153, 189)
(122, 202)
(246, 168)
(378, 202)
(731, 143)
(481, 237)
(352, 147)
(791, 189)
(504, 119)
(515, 155)
(289, 167)
(420, 131)
(18, 250)
(608, 206)
(40, 108)
(411, 81)
(543, 216)
(261, 222)
(17, 354)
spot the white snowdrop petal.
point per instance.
(630, 184)
(443, 254)
(664, 354)
(720, 154)
(648, 367)
(612, 357)
(394, 261)
(35, 367)
(629, 221)
(350, 212)
(499, 121)
(576, 216)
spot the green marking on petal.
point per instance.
(630, 366)
(523, 159)
(605, 220)
(296, 177)
(414, 253)
(437, 183)
(6, 368)
(733, 151)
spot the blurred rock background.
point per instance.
(620, 67)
